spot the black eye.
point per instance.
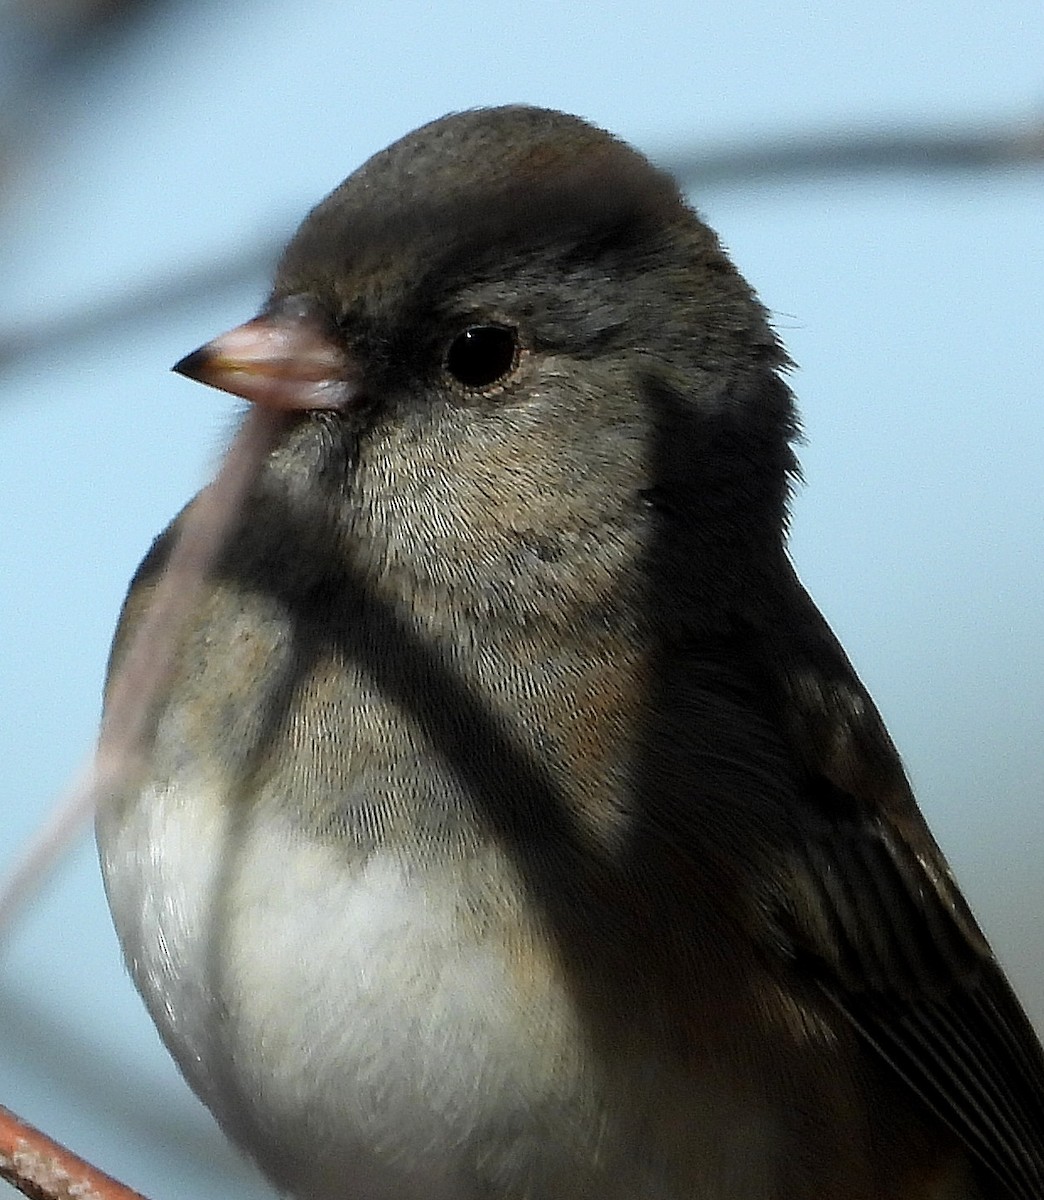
(482, 354)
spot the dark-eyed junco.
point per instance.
(514, 827)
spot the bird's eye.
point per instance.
(482, 354)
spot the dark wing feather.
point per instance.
(871, 910)
(891, 943)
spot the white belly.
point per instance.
(312, 1007)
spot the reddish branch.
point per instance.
(43, 1170)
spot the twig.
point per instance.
(44, 1170)
(131, 708)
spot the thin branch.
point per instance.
(845, 153)
(45, 850)
(132, 704)
(250, 263)
(44, 1170)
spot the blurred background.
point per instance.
(861, 162)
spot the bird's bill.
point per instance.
(283, 360)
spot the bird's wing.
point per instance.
(871, 909)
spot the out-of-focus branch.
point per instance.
(135, 689)
(249, 263)
(814, 157)
(945, 150)
(44, 1170)
(39, 856)
(44, 43)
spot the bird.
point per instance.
(512, 825)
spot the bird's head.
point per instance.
(517, 364)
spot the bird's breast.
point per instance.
(418, 1030)
(349, 910)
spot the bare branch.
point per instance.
(44, 1170)
(944, 150)
(133, 700)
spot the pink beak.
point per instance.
(283, 360)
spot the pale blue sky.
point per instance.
(912, 306)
